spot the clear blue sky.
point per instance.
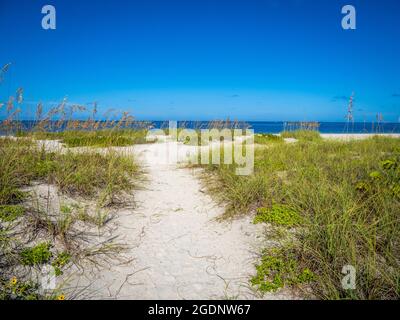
(203, 59)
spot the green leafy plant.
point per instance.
(389, 164)
(279, 214)
(60, 262)
(15, 289)
(10, 213)
(36, 255)
(375, 175)
(279, 268)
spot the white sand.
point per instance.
(178, 249)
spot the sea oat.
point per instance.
(19, 95)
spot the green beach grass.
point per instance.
(101, 178)
(338, 203)
(92, 138)
(83, 173)
(328, 204)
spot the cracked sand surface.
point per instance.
(177, 249)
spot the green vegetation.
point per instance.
(302, 135)
(279, 268)
(279, 215)
(93, 138)
(86, 174)
(87, 182)
(39, 254)
(266, 138)
(17, 289)
(16, 161)
(9, 213)
(346, 198)
(100, 177)
(14, 289)
(60, 262)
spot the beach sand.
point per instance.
(176, 248)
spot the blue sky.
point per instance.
(198, 60)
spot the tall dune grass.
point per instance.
(83, 174)
(32, 236)
(304, 135)
(92, 138)
(348, 197)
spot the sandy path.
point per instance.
(178, 249)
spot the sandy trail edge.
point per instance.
(178, 249)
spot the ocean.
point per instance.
(264, 126)
(324, 127)
(332, 127)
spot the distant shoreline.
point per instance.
(356, 136)
(272, 127)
